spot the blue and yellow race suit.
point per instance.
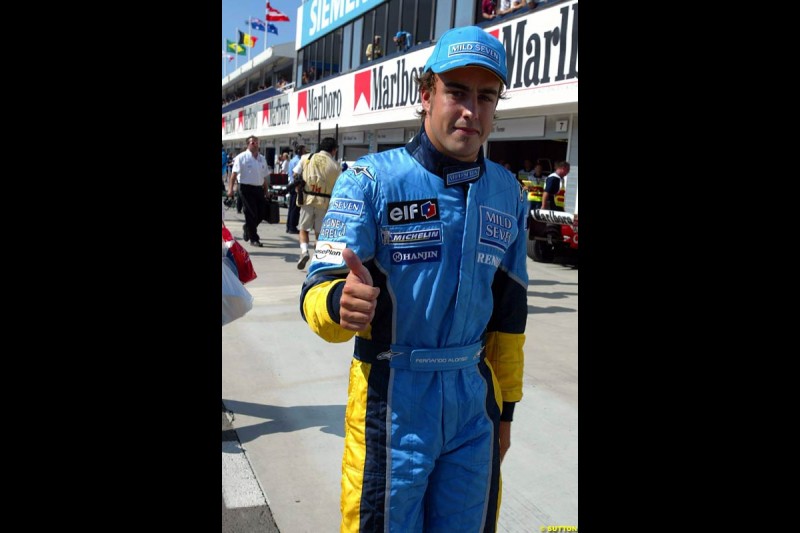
(442, 359)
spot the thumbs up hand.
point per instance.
(359, 297)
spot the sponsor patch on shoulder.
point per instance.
(358, 169)
(345, 206)
(329, 252)
(332, 228)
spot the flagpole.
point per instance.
(236, 49)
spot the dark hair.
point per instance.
(427, 81)
(301, 149)
(328, 144)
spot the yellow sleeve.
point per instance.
(504, 353)
(315, 309)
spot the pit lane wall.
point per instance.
(542, 50)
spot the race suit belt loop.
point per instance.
(418, 359)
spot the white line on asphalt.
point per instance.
(240, 487)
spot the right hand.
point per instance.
(359, 297)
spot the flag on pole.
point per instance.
(247, 39)
(273, 15)
(235, 48)
(256, 23)
(226, 54)
(272, 28)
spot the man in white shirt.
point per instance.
(250, 170)
(509, 6)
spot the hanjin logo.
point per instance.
(417, 255)
(413, 211)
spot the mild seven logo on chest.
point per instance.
(497, 229)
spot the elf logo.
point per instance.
(413, 211)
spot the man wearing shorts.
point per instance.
(319, 172)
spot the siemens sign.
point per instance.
(321, 16)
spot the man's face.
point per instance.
(460, 111)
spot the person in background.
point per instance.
(422, 257)
(224, 167)
(250, 171)
(283, 164)
(239, 205)
(374, 50)
(293, 215)
(555, 188)
(535, 182)
(509, 6)
(403, 40)
(319, 173)
(488, 10)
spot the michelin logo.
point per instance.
(329, 252)
(390, 237)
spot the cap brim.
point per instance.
(447, 66)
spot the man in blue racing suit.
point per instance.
(422, 256)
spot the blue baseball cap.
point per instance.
(469, 46)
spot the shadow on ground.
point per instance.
(329, 419)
